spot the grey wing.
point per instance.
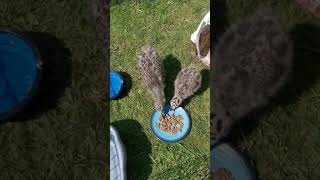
(143, 69)
(156, 69)
(194, 79)
(198, 81)
(184, 84)
(178, 83)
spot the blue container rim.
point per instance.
(179, 139)
(121, 85)
(21, 105)
(241, 155)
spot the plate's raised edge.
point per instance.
(242, 156)
(180, 139)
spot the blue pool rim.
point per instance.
(121, 85)
(180, 139)
(22, 105)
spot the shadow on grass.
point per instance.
(55, 75)
(171, 68)
(137, 148)
(305, 73)
(117, 2)
(306, 63)
(127, 85)
(205, 82)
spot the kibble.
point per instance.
(170, 124)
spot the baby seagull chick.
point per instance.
(186, 84)
(252, 62)
(151, 74)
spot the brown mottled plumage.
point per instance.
(252, 62)
(186, 84)
(149, 66)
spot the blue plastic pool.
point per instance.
(168, 137)
(18, 72)
(116, 83)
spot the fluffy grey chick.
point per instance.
(252, 62)
(149, 66)
(186, 84)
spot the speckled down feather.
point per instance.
(149, 66)
(252, 62)
(186, 84)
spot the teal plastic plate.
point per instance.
(169, 137)
(225, 156)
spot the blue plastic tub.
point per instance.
(19, 72)
(116, 84)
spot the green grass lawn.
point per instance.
(64, 136)
(285, 144)
(168, 25)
